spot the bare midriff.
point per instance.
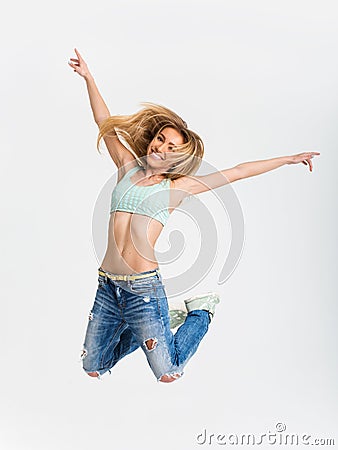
(131, 242)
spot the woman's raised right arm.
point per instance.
(118, 152)
(99, 108)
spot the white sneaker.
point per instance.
(206, 301)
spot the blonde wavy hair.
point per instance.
(138, 130)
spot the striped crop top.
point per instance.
(152, 201)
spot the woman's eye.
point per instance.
(159, 137)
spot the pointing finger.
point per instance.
(78, 54)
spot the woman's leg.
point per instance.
(148, 318)
(127, 344)
(108, 337)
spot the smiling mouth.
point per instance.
(155, 155)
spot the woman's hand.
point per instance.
(304, 158)
(79, 65)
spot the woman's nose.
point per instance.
(161, 147)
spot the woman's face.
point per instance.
(161, 150)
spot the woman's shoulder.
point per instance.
(183, 185)
(181, 182)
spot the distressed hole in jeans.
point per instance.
(94, 374)
(168, 378)
(83, 354)
(150, 343)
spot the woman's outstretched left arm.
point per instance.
(197, 184)
(250, 169)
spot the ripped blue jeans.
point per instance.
(133, 314)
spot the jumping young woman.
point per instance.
(130, 310)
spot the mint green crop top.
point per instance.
(152, 201)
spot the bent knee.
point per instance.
(169, 378)
(93, 374)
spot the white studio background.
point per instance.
(257, 80)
